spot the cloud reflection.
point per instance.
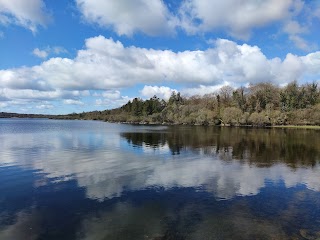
(106, 164)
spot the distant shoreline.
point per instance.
(311, 127)
(314, 127)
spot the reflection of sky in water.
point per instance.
(62, 211)
(106, 164)
(97, 166)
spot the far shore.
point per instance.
(313, 127)
(297, 126)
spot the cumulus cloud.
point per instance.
(238, 17)
(128, 16)
(312, 63)
(28, 14)
(161, 92)
(107, 65)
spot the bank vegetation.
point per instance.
(262, 104)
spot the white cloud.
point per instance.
(111, 94)
(57, 50)
(161, 92)
(202, 90)
(110, 99)
(3, 104)
(237, 17)
(108, 65)
(294, 27)
(29, 14)
(45, 106)
(72, 102)
(29, 94)
(40, 53)
(292, 68)
(240, 18)
(112, 102)
(312, 62)
(129, 16)
(44, 53)
(39, 99)
(299, 42)
(295, 31)
(99, 102)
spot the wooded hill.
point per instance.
(262, 104)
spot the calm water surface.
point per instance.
(94, 180)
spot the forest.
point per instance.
(262, 104)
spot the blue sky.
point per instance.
(81, 55)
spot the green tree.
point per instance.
(137, 107)
(290, 97)
(240, 99)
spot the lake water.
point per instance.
(95, 181)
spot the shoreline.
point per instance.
(311, 127)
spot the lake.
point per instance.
(95, 180)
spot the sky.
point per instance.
(59, 57)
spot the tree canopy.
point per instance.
(258, 105)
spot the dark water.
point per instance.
(94, 180)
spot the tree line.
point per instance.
(261, 104)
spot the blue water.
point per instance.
(95, 180)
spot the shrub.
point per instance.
(231, 115)
(259, 119)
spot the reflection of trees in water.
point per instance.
(267, 146)
(150, 139)
(262, 147)
(156, 140)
